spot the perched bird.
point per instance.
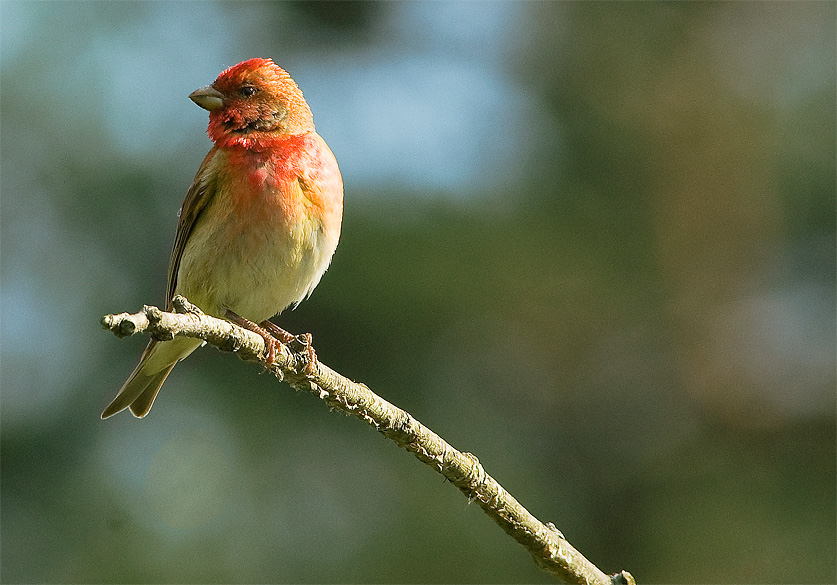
(259, 224)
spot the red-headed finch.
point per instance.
(260, 222)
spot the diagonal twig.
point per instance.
(545, 543)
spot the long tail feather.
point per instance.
(142, 404)
(138, 388)
(141, 388)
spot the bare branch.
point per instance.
(546, 544)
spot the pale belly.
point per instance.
(256, 272)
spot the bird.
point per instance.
(259, 224)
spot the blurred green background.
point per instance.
(592, 243)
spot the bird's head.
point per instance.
(252, 102)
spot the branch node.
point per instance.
(155, 319)
(127, 327)
(154, 314)
(557, 532)
(472, 457)
(182, 305)
(622, 578)
(476, 474)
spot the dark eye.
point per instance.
(247, 91)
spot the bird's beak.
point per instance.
(208, 98)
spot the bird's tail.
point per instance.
(141, 388)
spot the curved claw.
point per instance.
(311, 365)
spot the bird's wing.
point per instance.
(200, 194)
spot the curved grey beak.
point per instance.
(208, 98)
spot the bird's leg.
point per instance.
(273, 335)
(286, 338)
(271, 343)
(277, 331)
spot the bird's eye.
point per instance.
(247, 91)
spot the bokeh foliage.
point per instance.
(592, 243)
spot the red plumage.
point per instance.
(260, 222)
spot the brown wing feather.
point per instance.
(197, 198)
(140, 389)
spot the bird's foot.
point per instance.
(303, 340)
(277, 331)
(311, 364)
(273, 335)
(271, 344)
